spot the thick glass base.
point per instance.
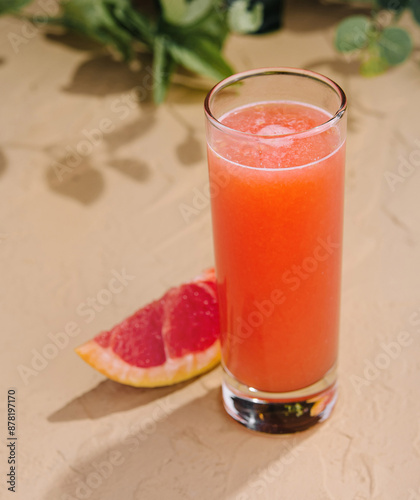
(280, 413)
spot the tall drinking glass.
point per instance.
(276, 148)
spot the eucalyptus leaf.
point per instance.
(183, 12)
(201, 56)
(353, 33)
(415, 9)
(395, 45)
(373, 64)
(243, 19)
(12, 6)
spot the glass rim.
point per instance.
(276, 71)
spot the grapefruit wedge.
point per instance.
(167, 341)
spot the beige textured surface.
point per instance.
(62, 243)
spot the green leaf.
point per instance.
(242, 19)
(414, 5)
(353, 33)
(395, 45)
(94, 19)
(212, 27)
(12, 6)
(163, 66)
(392, 4)
(373, 66)
(373, 63)
(183, 12)
(201, 56)
(134, 22)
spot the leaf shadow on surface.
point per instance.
(190, 150)
(132, 112)
(416, 54)
(194, 452)
(131, 131)
(74, 41)
(102, 75)
(110, 397)
(82, 183)
(133, 115)
(134, 169)
(3, 162)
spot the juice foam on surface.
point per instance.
(287, 115)
(276, 123)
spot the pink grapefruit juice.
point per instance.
(277, 228)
